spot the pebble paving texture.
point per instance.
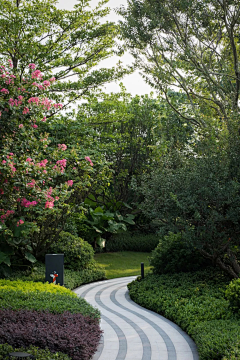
(132, 332)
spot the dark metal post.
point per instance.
(142, 270)
(54, 268)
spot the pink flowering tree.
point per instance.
(39, 181)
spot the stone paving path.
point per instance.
(132, 332)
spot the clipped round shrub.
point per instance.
(78, 253)
(233, 295)
(172, 255)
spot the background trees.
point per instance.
(193, 46)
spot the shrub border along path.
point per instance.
(133, 332)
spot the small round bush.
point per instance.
(233, 295)
(172, 255)
(78, 253)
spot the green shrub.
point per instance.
(172, 255)
(39, 354)
(195, 301)
(216, 338)
(42, 297)
(234, 353)
(132, 242)
(233, 295)
(78, 253)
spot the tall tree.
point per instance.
(66, 44)
(190, 45)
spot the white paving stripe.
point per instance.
(139, 326)
(180, 344)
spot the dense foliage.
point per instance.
(173, 255)
(74, 334)
(195, 301)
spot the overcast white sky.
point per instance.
(134, 82)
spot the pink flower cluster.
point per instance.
(31, 184)
(26, 203)
(20, 222)
(46, 103)
(35, 100)
(88, 159)
(46, 83)
(50, 200)
(32, 66)
(58, 106)
(12, 167)
(37, 75)
(61, 164)
(70, 183)
(5, 216)
(25, 111)
(4, 91)
(39, 86)
(43, 163)
(15, 102)
(62, 146)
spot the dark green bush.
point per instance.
(234, 353)
(173, 255)
(216, 338)
(233, 295)
(195, 301)
(78, 254)
(39, 354)
(132, 242)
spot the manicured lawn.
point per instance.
(124, 263)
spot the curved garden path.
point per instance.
(132, 332)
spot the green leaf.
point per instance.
(4, 258)
(30, 257)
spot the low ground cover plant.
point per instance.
(74, 334)
(39, 354)
(197, 303)
(49, 317)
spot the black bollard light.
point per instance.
(142, 270)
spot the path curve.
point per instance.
(132, 332)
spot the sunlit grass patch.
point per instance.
(124, 263)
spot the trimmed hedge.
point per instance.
(196, 302)
(30, 295)
(132, 242)
(73, 334)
